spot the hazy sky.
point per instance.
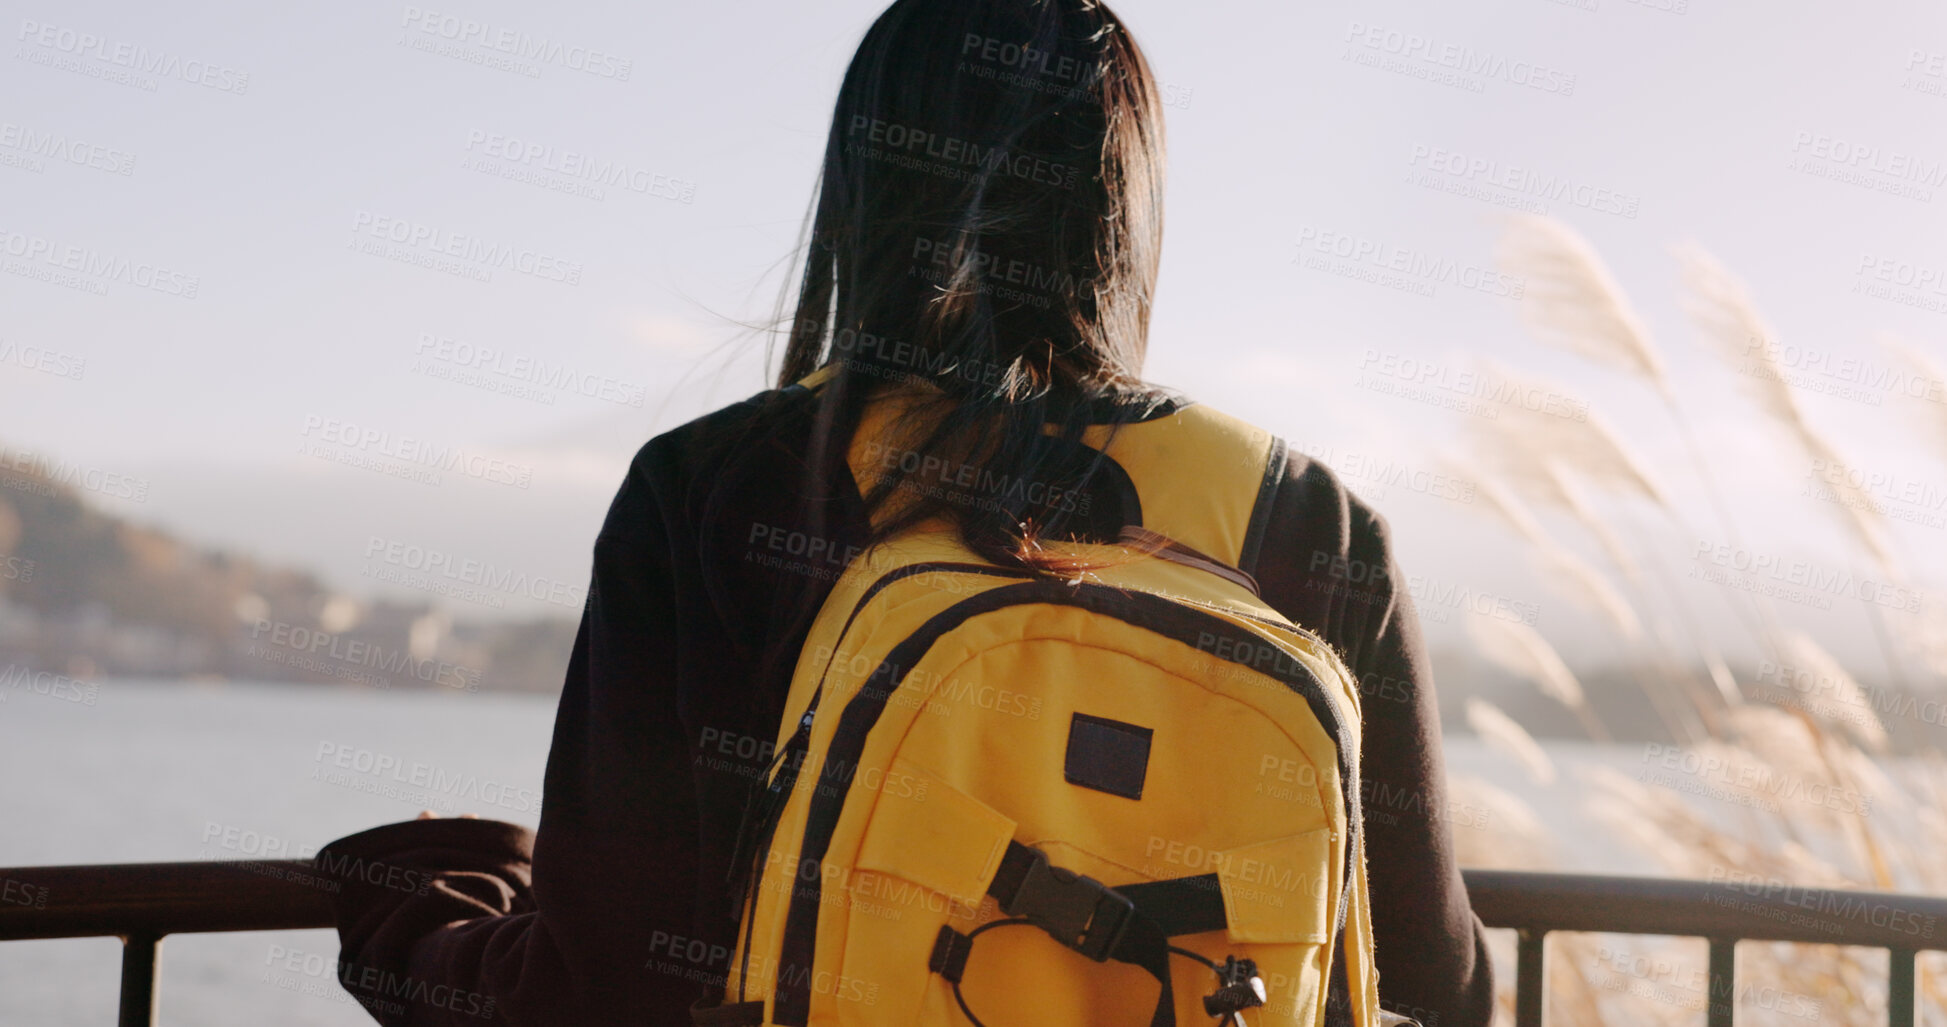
(201, 315)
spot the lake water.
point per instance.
(154, 772)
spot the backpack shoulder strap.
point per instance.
(1204, 478)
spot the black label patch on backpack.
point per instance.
(1107, 755)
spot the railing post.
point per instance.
(1531, 978)
(1899, 987)
(1723, 982)
(140, 954)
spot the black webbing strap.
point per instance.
(1338, 980)
(1087, 916)
(1182, 905)
(1192, 905)
(950, 951)
(1338, 991)
(735, 1014)
(1132, 923)
(1145, 945)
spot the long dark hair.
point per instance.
(984, 242)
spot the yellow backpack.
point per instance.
(1005, 801)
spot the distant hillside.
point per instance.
(86, 594)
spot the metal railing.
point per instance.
(143, 902)
(1722, 912)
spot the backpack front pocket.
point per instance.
(925, 860)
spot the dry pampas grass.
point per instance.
(1570, 575)
(1503, 832)
(1500, 732)
(1571, 438)
(1583, 584)
(1781, 798)
(1759, 805)
(1571, 300)
(1824, 689)
(1520, 650)
(1724, 313)
(1700, 822)
(1789, 787)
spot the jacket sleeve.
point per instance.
(592, 931)
(1329, 565)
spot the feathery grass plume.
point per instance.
(1875, 790)
(1723, 311)
(1648, 981)
(1520, 649)
(1817, 776)
(1931, 377)
(1786, 742)
(1820, 686)
(1582, 583)
(1659, 822)
(1721, 676)
(1574, 436)
(1504, 833)
(1500, 502)
(1584, 514)
(1571, 300)
(1500, 732)
(1690, 835)
(1919, 802)
(1690, 838)
(1571, 998)
(1814, 803)
(1686, 831)
(1543, 478)
(1573, 576)
(1512, 456)
(1518, 455)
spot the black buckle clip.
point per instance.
(1079, 911)
(1241, 989)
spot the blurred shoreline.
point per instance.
(86, 595)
